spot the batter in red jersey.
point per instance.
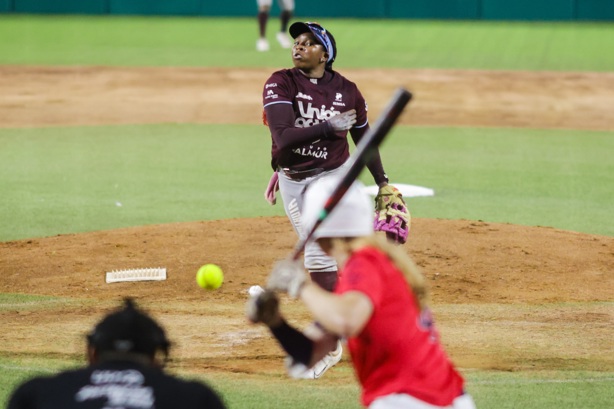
(380, 306)
(409, 358)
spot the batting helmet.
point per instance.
(352, 217)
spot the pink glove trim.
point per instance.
(273, 186)
(395, 227)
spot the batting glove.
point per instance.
(287, 276)
(264, 308)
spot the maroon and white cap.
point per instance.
(323, 36)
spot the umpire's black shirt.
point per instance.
(113, 385)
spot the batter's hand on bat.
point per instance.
(264, 308)
(287, 276)
(343, 121)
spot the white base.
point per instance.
(406, 190)
(137, 274)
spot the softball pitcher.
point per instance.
(309, 110)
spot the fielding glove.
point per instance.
(391, 214)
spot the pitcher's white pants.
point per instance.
(292, 193)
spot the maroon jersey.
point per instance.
(312, 103)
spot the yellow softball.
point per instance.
(210, 277)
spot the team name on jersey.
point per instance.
(318, 152)
(311, 115)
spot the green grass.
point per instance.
(245, 391)
(19, 302)
(96, 178)
(543, 390)
(225, 42)
(496, 390)
(554, 178)
(77, 179)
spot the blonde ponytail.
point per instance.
(413, 276)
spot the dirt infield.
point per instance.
(38, 96)
(506, 297)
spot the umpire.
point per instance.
(126, 351)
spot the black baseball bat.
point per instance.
(359, 159)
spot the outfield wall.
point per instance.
(522, 10)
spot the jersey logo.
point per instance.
(338, 100)
(270, 94)
(304, 96)
(271, 85)
(311, 115)
(426, 322)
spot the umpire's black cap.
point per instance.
(129, 330)
(323, 36)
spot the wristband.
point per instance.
(294, 342)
